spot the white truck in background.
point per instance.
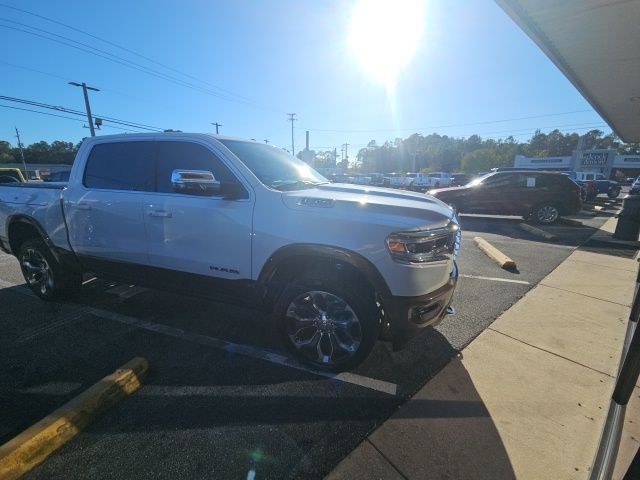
(339, 266)
(427, 181)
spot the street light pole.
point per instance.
(85, 87)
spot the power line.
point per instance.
(60, 77)
(449, 126)
(34, 70)
(109, 56)
(42, 113)
(61, 109)
(133, 52)
(67, 118)
(33, 103)
(84, 47)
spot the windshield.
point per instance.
(275, 167)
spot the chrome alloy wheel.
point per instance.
(547, 214)
(323, 327)
(37, 271)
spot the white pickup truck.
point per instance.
(339, 266)
(427, 181)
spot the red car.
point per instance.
(540, 196)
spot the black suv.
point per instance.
(540, 196)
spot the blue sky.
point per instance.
(473, 70)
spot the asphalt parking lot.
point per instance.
(222, 399)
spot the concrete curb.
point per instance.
(494, 254)
(537, 232)
(570, 221)
(31, 447)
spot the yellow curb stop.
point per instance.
(570, 221)
(537, 232)
(494, 254)
(31, 447)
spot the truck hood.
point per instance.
(398, 208)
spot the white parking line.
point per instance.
(246, 350)
(495, 279)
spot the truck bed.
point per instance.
(41, 202)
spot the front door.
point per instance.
(197, 232)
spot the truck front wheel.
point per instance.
(327, 322)
(43, 274)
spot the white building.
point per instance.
(601, 161)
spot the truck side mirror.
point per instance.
(195, 182)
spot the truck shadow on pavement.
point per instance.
(205, 413)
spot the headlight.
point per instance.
(428, 245)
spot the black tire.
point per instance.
(613, 193)
(545, 214)
(314, 295)
(44, 275)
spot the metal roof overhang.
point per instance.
(596, 44)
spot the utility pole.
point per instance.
(217, 125)
(346, 151)
(335, 156)
(292, 118)
(85, 87)
(266, 141)
(24, 164)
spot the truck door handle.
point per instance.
(83, 206)
(160, 213)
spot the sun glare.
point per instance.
(384, 36)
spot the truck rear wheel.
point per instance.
(44, 275)
(327, 322)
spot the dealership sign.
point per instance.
(595, 159)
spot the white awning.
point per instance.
(596, 44)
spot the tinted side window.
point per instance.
(121, 166)
(500, 181)
(187, 156)
(551, 180)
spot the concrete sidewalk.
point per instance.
(528, 397)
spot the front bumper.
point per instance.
(408, 315)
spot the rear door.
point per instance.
(104, 210)
(202, 234)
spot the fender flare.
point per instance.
(63, 257)
(360, 263)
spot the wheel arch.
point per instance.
(21, 228)
(290, 260)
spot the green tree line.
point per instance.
(474, 154)
(57, 152)
(432, 152)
